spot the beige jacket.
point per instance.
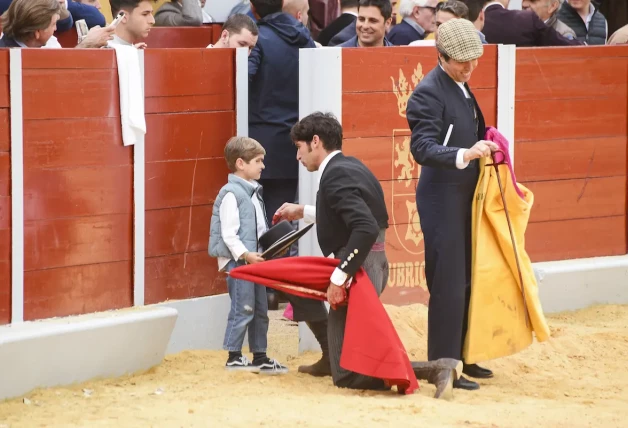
(619, 37)
(561, 28)
(174, 14)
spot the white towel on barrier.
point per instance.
(131, 94)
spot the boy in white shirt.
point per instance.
(238, 220)
(135, 25)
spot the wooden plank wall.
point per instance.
(78, 181)
(376, 131)
(190, 110)
(571, 138)
(5, 191)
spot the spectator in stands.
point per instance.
(239, 31)
(417, 21)
(619, 37)
(476, 15)
(89, 10)
(450, 9)
(31, 24)
(547, 10)
(585, 20)
(180, 13)
(374, 17)
(348, 15)
(300, 10)
(297, 8)
(136, 23)
(274, 98)
(64, 23)
(518, 27)
(350, 30)
(445, 10)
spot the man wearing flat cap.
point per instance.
(447, 141)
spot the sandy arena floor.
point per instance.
(577, 379)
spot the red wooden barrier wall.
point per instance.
(78, 178)
(376, 131)
(571, 149)
(190, 108)
(5, 191)
(78, 185)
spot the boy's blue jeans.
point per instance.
(249, 310)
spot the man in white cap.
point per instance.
(447, 139)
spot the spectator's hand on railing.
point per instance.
(97, 37)
(140, 45)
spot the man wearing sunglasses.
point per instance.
(418, 21)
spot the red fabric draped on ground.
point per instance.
(372, 346)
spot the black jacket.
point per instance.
(350, 211)
(436, 104)
(403, 34)
(335, 27)
(8, 42)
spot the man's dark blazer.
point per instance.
(403, 34)
(521, 28)
(435, 104)
(345, 34)
(8, 42)
(335, 27)
(350, 211)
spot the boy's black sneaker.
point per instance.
(268, 366)
(240, 363)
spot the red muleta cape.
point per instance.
(372, 346)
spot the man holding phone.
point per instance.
(133, 21)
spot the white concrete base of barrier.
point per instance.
(64, 351)
(201, 323)
(575, 284)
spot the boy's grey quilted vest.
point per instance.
(248, 218)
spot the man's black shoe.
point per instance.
(476, 371)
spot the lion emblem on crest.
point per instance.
(405, 171)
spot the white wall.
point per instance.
(219, 9)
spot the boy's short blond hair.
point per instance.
(244, 148)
